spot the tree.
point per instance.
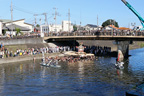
(17, 31)
(4, 32)
(110, 22)
(75, 27)
(37, 25)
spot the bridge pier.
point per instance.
(123, 46)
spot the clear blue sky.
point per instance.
(81, 10)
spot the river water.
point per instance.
(89, 78)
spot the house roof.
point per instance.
(91, 25)
(14, 26)
(5, 20)
(15, 20)
(124, 28)
(9, 21)
(112, 26)
(28, 24)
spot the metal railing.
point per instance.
(97, 33)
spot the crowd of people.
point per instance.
(33, 51)
(68, 59)
(98, 50)
(98, 32)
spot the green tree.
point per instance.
(110, 22)
(4, 31)
(75, 27)
(37, 25)
(18, 31)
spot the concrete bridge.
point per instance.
(117, 38)
(121, 41)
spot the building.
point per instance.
(90, 27)
(111, 27)
(55, 28)
(52, 28)
(0, 27)
(22, 23)
(44, 30)
(10, 27)
(66, 26)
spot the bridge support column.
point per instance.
(124, 47)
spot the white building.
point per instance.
(0, 27)
(55, 28)
(66, 26)
(22, 23)
(44, 29)
(10, 27)
(90, 27)
(52, 28)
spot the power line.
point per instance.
(22, 10)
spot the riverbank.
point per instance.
(27, 58)
(13, 48)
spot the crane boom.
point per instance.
(135, 12)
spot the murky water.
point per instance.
(89, 78)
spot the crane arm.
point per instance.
(134, 11)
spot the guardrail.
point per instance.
(98, 33)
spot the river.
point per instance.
(89, 78)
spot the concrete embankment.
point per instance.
(35, 40)
(109, 43)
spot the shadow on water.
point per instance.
(83, 78)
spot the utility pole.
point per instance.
(45, 14)
(46, 23)
(80, 22)
(97, 20)
(35, 18)
(69, 25)
(80, 19)
(40, 21)
(55, 18)
(11, 33)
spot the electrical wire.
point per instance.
(22, 10)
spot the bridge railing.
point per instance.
(97, 33)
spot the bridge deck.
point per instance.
(65, 38)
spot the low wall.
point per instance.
(35, 40)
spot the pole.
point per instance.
(55, 18)
(97, 20)
(45, 14)
(69, 21)
(11, 32)
(46, 23)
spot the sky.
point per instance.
(84, 11)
